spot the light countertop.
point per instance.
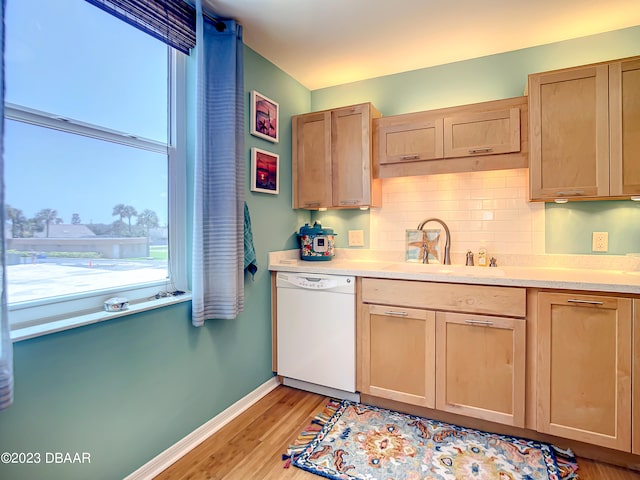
(612, 274)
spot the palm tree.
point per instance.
(129, 212)
(47, 216)
(148, 219)
(18, 221)
(124, 211)
(119, 210)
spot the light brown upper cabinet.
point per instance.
(624, 104)
(312, 160)
(332, 166)
(483, 133)
(409, 138)
(581, 123)
(483, 136)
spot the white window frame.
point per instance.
(38, 317)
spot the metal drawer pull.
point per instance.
(409, 157)
(481, 150)
(479, 322)
(588, 302)
(396, 313)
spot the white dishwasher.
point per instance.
(316, 331)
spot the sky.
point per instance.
(70, 58)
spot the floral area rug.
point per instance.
(350, 440)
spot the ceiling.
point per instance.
(323, 43)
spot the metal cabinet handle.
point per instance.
(312, 204)
(570, 192)
(481, 150)
(349, 202)
(409, 157)
(485, 323)
(587, 302)
(396, 313)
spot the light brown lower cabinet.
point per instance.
(584, 368)
(413, 349)
(481, 367)
(467, 364)
(398, 354)
(474, 363)
(635, 440)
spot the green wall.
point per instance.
(490, 78)
(575, 225)
(272, 214)
(127, 389)
(341, 221)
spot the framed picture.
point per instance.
(264, 117)
(265, 171)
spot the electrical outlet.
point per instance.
(356, 238)
(600, 242)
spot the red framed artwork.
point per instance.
(265, 171)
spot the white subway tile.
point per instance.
(480, 208)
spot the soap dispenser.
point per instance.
(482, 257)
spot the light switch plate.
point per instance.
(356, 238)
(600, 242)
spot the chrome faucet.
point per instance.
(447, 243)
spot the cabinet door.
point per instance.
(312, 160)
(351, 137)
(624, 94)
(484, 133)
(584, 368)
(409, 138)
(635, 440)
(569, 133)
(398, 354)
(481, 367)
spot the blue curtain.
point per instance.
(218, 224)
(6, 350)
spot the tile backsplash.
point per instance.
(481, 209)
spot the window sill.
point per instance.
(33, 331)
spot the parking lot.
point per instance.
(54, 277)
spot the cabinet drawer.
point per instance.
(506, 301)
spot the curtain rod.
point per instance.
(219, 24)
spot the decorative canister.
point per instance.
(316, 243)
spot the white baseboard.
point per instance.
(160, 463)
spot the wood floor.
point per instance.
(251, 446)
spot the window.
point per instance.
(94, 161)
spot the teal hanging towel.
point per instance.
(250, 262)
